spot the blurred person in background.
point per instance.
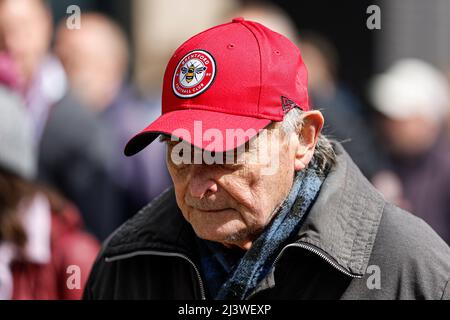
(96, 60)
(72, 148)
(40, 232)
(346, 117)
(25, 35)
(412, 99)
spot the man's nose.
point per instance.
(201, 182)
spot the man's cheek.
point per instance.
(179, 176)
(180, 196)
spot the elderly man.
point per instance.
(263, 205)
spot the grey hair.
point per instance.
(324, 155)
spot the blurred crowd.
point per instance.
(67, 110)
(68, 106)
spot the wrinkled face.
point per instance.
(232, 203)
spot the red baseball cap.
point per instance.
(235, 76)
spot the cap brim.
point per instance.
(207, 130)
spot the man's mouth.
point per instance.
(212, 210)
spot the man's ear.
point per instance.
(312, 125)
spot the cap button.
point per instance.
(237, 20)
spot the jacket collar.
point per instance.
(343, 221)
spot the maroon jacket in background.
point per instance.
(69, 246)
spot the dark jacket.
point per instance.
(353, 245)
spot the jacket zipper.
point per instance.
(163, 254)
(319, 253)
(302, 245)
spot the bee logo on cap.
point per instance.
(194, 74)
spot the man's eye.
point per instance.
(171, 148)
(171, 143)
(232, 164)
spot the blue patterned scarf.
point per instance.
(234, 274)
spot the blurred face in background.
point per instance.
(25, 33)
(409, 137)
(412, 95)
(95, 58)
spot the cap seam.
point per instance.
(260, 63)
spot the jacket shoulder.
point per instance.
(151, 223)
(411, 255)
(135, 234)
(411, 232)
